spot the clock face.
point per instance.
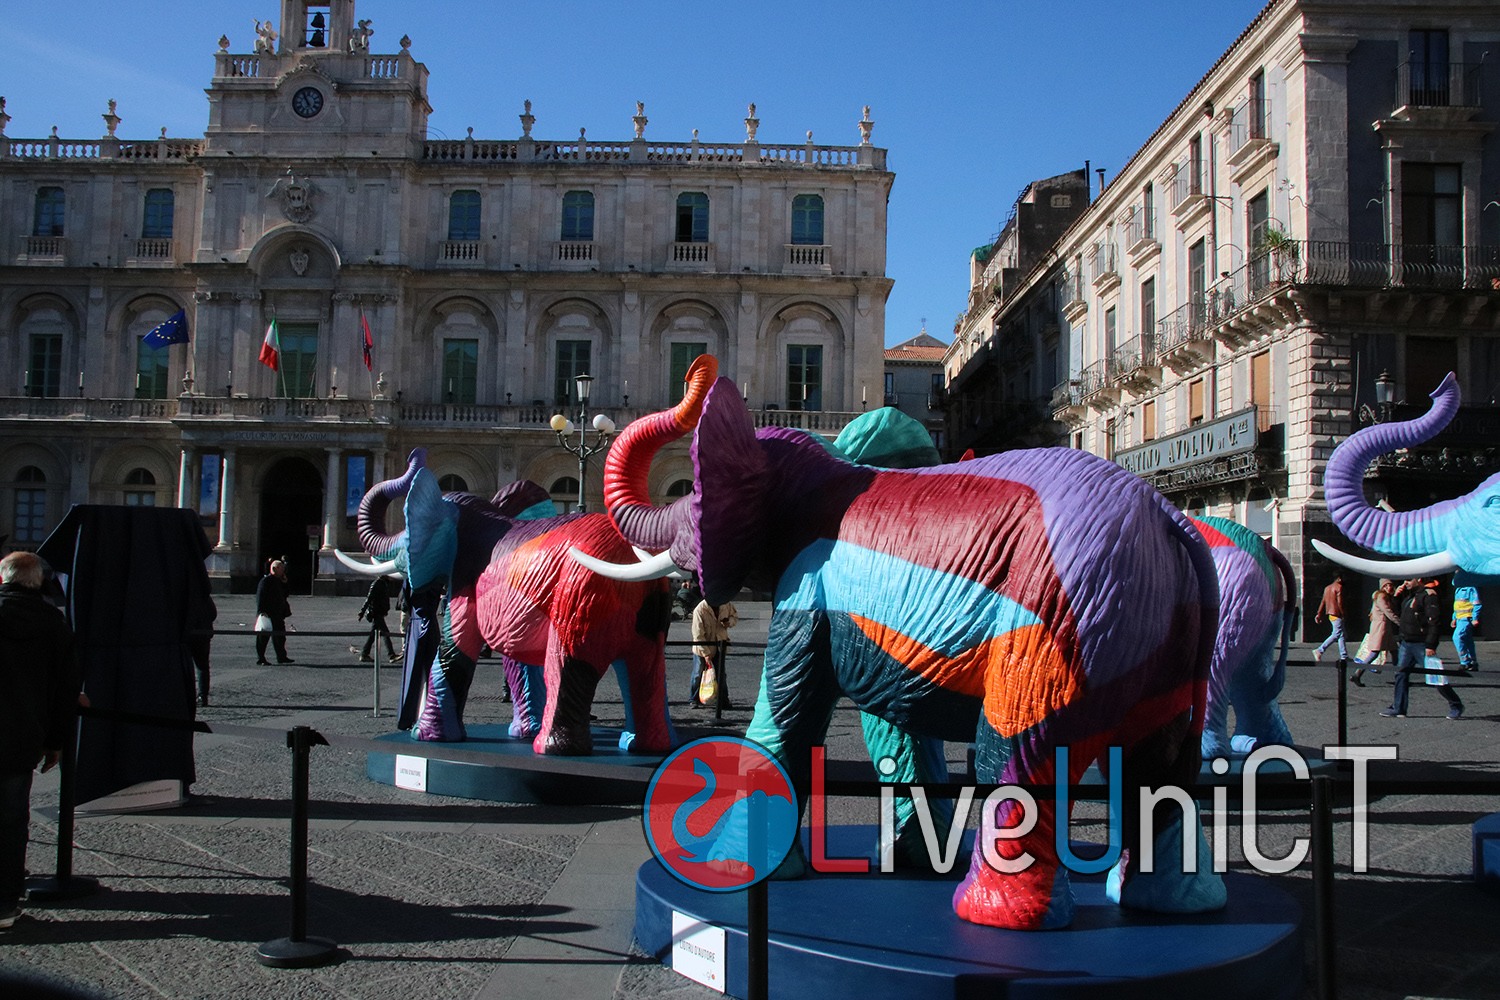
(307, 102)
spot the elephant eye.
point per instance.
(1493, 501)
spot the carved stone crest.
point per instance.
(298, 259)
(296, 200)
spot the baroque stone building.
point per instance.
(1315, 222)
(490, 273)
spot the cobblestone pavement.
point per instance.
(448, 898)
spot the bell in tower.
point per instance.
(316, 24)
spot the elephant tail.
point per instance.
(1202, 561)
(1277, 680)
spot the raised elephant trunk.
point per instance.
(1389, 532)
(372, 508)
(628, 463)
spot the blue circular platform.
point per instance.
(896, 936)
(489, 769)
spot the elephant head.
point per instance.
(424, 553)
(1463, 533)
(718, 529)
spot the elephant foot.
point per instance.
(642, 744)
(1167, 888)
(564, 741)
(1037, 899)
(1216, 745)
(523, 730)
(436, 734)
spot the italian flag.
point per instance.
(270, 351)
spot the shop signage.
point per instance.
(1205, 442)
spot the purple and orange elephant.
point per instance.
(1028, 602)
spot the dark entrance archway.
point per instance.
(291, 501)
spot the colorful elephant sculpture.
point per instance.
(490, 573)
(1462, 534)
(1257, 609)
(1029, 602)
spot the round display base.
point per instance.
(896, 935)
(487, 766)
(1486, 832)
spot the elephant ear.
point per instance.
(729, 509)
(431, 532)
(889, 439)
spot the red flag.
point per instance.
(270, 351)
(369, 342)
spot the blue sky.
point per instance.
(973, 99)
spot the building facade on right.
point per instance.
(1310, 242)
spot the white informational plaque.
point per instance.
(411, 773)
(698, 951)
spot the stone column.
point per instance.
(332, 500)
(226, 502)
(185, 480)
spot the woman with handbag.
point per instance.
(711, 627)
(1381, 640)
(272, 609)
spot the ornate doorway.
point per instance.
(291, 503)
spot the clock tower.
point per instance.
(314, 86)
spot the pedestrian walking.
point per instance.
(377, 605)
(201, 617)
(40, 677)
(1466, 609)
(711, 625)
(1421, 617)
(272, 609)
(1381, 641)
(1332, 606)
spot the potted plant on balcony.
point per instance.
(1284, 250)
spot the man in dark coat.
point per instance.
(377, 605)
(1421, 618)
(39, 675)
(272, 605)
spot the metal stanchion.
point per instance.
(375, 672)
(757, 941)
(299, 951)
(1343, 702)
(723, 692)
(64, 884)
(1322, 862)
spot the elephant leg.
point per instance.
(1166, 756)
(905, 759)
(643, 682)
(421, 655)
(1215, 741)
(1025, 895)
(570, 693)
(527, 697)
(798, 690)
(448, 686)
(1257, 717)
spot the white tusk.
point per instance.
(677, 574)
(1437, 564)
(370, 568)
(654, 568)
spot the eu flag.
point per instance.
(172, 330)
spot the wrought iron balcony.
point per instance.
(1439, 85)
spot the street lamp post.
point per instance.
(583, 449)
(1385, 391)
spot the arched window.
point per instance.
(692, 217)
(463, 216)
(578, 216)
(452, 483)
(140, 488)
(807, 220)
(29, 518)
(681, 488)
(49, 217)
(150, 371)
(564, 493)
(156, 224)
